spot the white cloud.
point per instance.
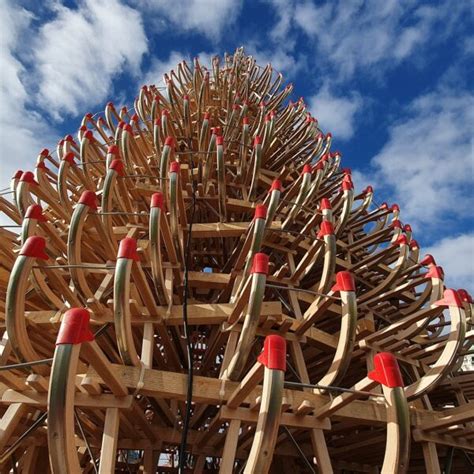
(427, 163)
(80, 51)
(335, 114)
(209, 17)
(456, 256)
(23, 132)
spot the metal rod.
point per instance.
(76, 416)
(331, 387)
(297, 446)
(98, 266)
(25, 364)
(302, 290)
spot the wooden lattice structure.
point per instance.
(198, 287)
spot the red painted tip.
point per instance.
(101, 120)
(34, 211)
(18, 174)
(401, 240)
(414, 244)
(396, 224)
(111, 105)
(34, 247)
(369, 189)
(128, 128)
(145, 88)
(219, 140)
(395, 208)
(28, 177)
(325, 157)
(124, 109)
(407, 228)
(347, 178)
(135, 118)
(165, 112)
(206, 115)
(326, 228)
(337, 153)
(347, 186)
(428, 260)
(89, 135)
(157, 122)
(319, 166)
(169, 141)
(88, 116)
(306, 169)
(329, 135)
(88, 198)
(450, 298)
(235, 107)
(186, 97)
(41, 165)
(69, 138)
(44, 152)
(113, 150)
(118, 167)
(386, 370)
(83, 128)
(157, 200)
(175, 167)
(273, 355)
(69, 157)
(435, 272)
(121, 124)
(156, 98)
(257, 140)
(217, 131)
(347, 171)
(74, 327)
(465, 296)
(260, 211)
(384, 205)
(344, 282)
(260, 263)
(128, 249)
(245, 121)
(325, 204)
(276, 185)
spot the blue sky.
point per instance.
(392, 81)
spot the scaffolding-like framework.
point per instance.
(197, 287)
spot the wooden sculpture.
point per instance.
(196, 287)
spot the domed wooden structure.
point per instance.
(197, 287)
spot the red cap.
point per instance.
(217, 130)
(117, 166)
(245, 121)
(326, 228)
(157, 122)
(273, 355)
(135, 117)
(82, 128)
(407, 228)
(344, 282)
(44, 152)
(386, 370)
(186, 97)
(28, 177)
(329, 135)
(257, 140)
(395, 207)
(414, 244)
(347, 171)
(113, 150)
(157, 200)
(69, 138)
(206, 116)
(347, 186)
(74, 327)
(88, 115)
(89, 135)
(121, 124)
(110, 104)
(319, 166)
(401, 240)
(260, 263)
(465, 296)
(276, 185)
(306, 168)
(260, 211)
(169, 141)
(34, 247)
(128, 249)
(17, 175)
(384, 205)
(88, 198)
(69, 157)
(41, 165)
(450, 298)
(396, 224)
(427, 260)
(219, 140)
(369, 189)
(156, 98)
(435, 272)
(128, 128)
(165, 112)
(174, 167)
(34, 211)
(325, 204)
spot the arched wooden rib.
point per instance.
(259, 277)
(314, 188)
(64, 175)
(348, 200)
(126, 256)
(208, 164)
(326, 233)
(448, 356)
(43, 175)
(221, 184)
(345, 285)
(14, 187)
(305, 184)
(110, 114)
(204, 133)
(33, 215)
(367, 195)
(397, 447)
(274, 200)
(23, 191)
(33, 249)
(154, 230)
(166, 154)
(273, 358)
(173, 202)
(87, 148)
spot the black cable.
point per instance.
(189, 348)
